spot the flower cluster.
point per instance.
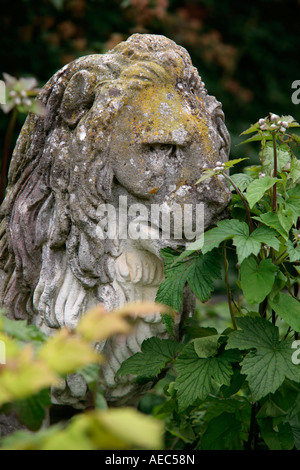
(219, 167)
(20, 94)
(275, 123)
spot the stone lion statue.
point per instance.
(135, 123)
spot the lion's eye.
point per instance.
(168, 150)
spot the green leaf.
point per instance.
(200, 279)
(267, 156)
(270, 363)
(257, 189)
(294, 252)
(295, 169)
(155, 354)
(32, 411)
(223, 433)
(206, 174)
(199, 271)
(241, 180)
(168, 321)
(198, 376)
(287, 308)
(256, 137)
(251, 129)
(271, 220)
(170, 292)
(206, 346)
(21, 331)
(225, 230)
(251, 244)
(277, 437)
(257, 279)
(286, 219)
(231, 163)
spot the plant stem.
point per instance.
(252, 438)
(274, 189)
(6, 152)
(228, 288)
(243, 200)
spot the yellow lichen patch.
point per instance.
(164, 114)
(153, 190)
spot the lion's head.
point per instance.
(135, 122)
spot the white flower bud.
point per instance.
(282, 129)
(273, 126)
(12, 93)
(23, 93)
(274, 117)
(27, 102)
(264, 127)
(17, 101)
(285, 124)
(218, 163)
(261, 121)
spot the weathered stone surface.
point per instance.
(138, 123)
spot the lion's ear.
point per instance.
(78, 97)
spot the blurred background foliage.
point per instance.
(247, 53)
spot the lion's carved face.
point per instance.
(137, 123)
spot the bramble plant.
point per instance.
(239, 388)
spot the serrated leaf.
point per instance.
(251, 129)
(206, 346)
(155, 354)
(242, 181)
(277, 437)
(21, 331)
(199, 271)
(251, 244)
(209, 173)
(271, 220)
(257, 279)
(64, 353)
(267, 155)
(270, 363)
(32, 411)
(24, 376)
(286, 219)
(287, 308)
(295, 169)
(168, 321)
(206, 268)
(170, 291)
(132, 427)
(255, 138)
(198, 376)
(257, 189)
(225, 230)
(231, 163)
(294, 252)
(222, 433)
